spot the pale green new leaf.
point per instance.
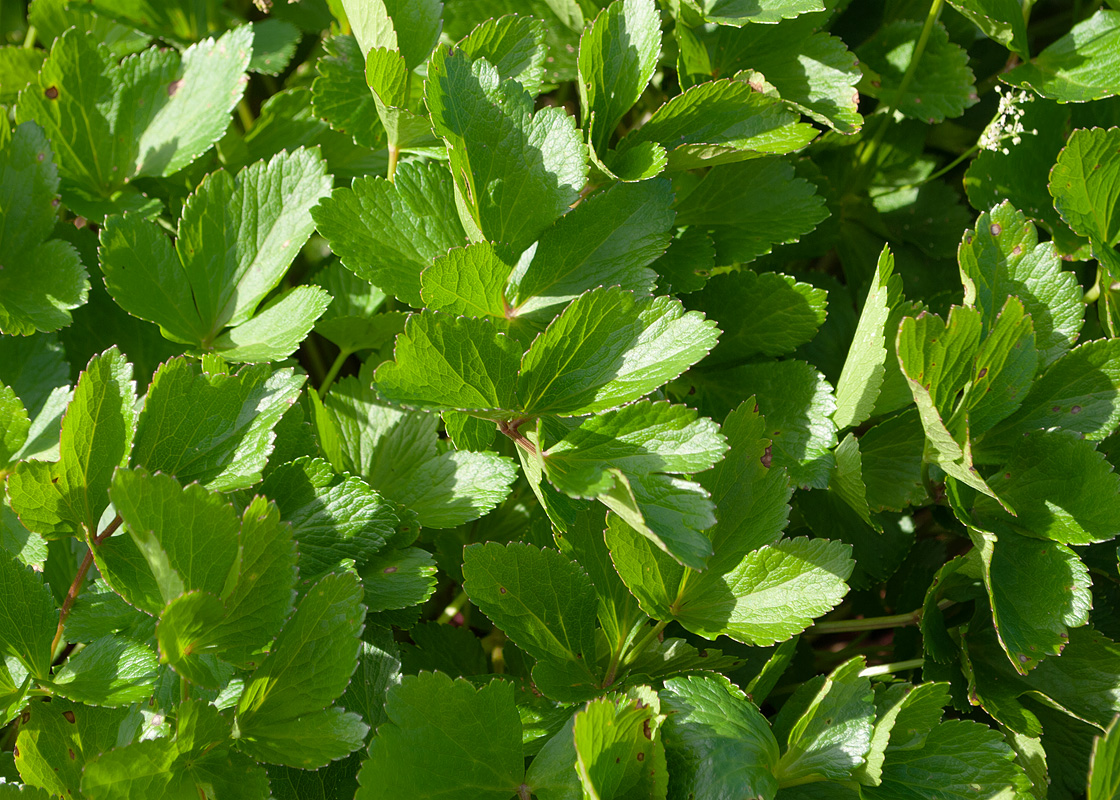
(617, 57)
(545, 603)
(716, 740)
(476, 731)
(216, 429)
(388, 232)
(396, 99)
(721, 122)
(67, 497)
(1038, 591)
(515, 171)
(864, 368)
(1083, 65)
(42, 279)
(30, 618)
(941, 87)
(608, 348)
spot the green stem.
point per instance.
(865, 158)
(332, 373)
(874, 623)
(394, 154)
(30, 37)
(934, 176)
(888, 669)
(640, 646)
(1094, 293)
(245, 115)
(454, 607)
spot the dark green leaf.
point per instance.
(113, 671)
(1084, 179)
(30, 619)
(340, 96)
(1001, 20)
(1079, 67)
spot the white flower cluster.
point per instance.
(1008, 122)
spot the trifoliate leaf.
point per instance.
(716, 740)
(514, 45)
(617, 57)
(1003, 258)
(545, 604)
(467, 280)
(781, 208)
(618, 750)
(67, 497)
(333, 517)
(742, 12)
(865, 367)
(786, 314)
(1079, 393)
(490, 128)
(941, 87)
(212, 428)
(1000, 20)
(42, 279)
(1038, 590)
(152, 115)
(608, 348)
(30, 619)
(638, 439)
(54, 729)
(1079, 67)
(832, 736)
(721, 122)
(189, 536)
(610, 239)
(112, 671)
(288, 695)
(262, 218)
(478, 732)
(388, 232)
(340, 95)
(1083, 182)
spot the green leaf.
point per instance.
(1083, 182)
(334, 517)
(478, 732)
(744, 232)
(905, 714)
(388, 232)
(1002, 258)
(188, 536)
(467, 280)
(236, 239)
(773, 593)
(1079, 67)
(340, 95)
(43, 278)
(34, 367)
(54, 729)
(865, 367)
(820, 82)
(160, 766)
(213, 428)
(515, 172)
(450, 362)
(716, 740)
(742, 12)
(1104, 766)
(1036, 481)
(397, 99)
(67, 497)
(608, 348)
(832, 736)
(112, 671)
(514, 45)
(617, 57)
(277, 329)
(1000, 20)
(941, 87)
(30, 619)
(308, 667)
(467, 432)
(14, 425)
(152, 115)
(545, 603)
(411, 27)
(274, 44)
(610, 239)
(618, 751)
(1038, 590)
(351, 321)
(721, 122)
(19, 67)
(400, 578)
(787, 314)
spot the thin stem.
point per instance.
(245, 115)
(524, 792)
(888, 669)
(332, 373)
(640, 646)
(865, 158)
(454, 608)
(80, 578)
(29, 37)
(874, 623)
(934, 176)
(394, 154)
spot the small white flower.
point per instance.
(1008, 122)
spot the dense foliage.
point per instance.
(560, 398)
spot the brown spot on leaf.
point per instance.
(983, 372)
(766, 457)
(69, 716)
(1075, 410)
(51, 92)
(996, 229)
(641, 756)
(390, 570)
(646, 731)
(502, 589)
(71, 752)
(173, 87)
(1016, 250)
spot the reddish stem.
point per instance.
(80, 578)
